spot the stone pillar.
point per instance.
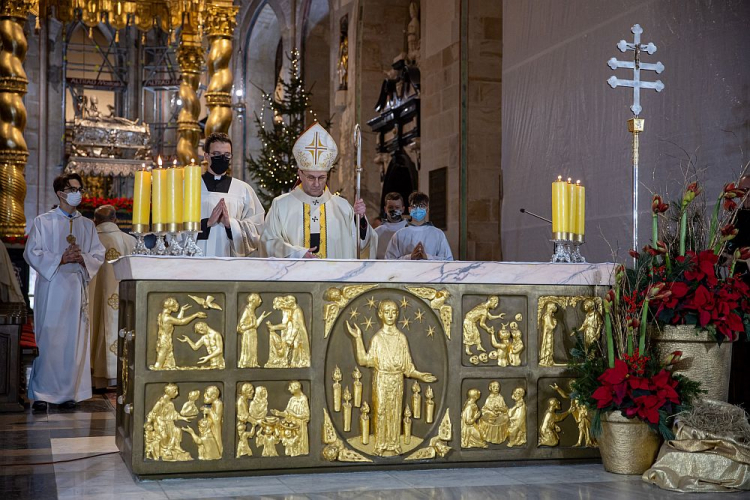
(220, 26)
(190, 60)
(13, 84)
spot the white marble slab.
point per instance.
(154, 268)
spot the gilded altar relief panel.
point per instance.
(561, 421)
(494, 413)
(274, 330)
(494, 330)
(186, 331)
(183, 421)
(385, 376)
(559, 318)
(272, 418)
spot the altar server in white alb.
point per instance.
(65, 251)
(419, 240)
(232, 216)
(394, 220)
(310, 222)
(104, 298)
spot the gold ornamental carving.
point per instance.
(166, 323)
(220, 25)
(190, 61)
(439, 446)
(551, 308)
(13, 86)
(208, 437)
(247, 328)
(289, 342)
(337, 299)
(581, 415)
(507, 340)
(494, 423)
(335, 450)
(549, 430)
(212, 341)
(436, 299)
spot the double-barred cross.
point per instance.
(636, 65)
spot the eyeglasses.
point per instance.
(421, 205)
(216, 156)
(71, 189)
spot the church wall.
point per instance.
(561, 117)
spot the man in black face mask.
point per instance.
(394, 220)
(232, 216)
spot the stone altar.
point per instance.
(241, 366)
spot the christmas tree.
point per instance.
(275, 169)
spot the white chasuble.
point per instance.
(62, 372)
(245, 220)
(104, 302)
(296, 221)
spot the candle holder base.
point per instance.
(576, 255)
(191, 247)
(562, 252)
(160, 248)
(140, 246)
(175, 248)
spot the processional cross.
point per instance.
(636, 124)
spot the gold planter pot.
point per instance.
(627, 445)
(703, 360)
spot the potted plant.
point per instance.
(631, 391)
(702, 306)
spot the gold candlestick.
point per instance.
(407, 425)
(364, 423)
(429, 405)
(70, 238)
(337, 389)
(347, 409)
(416, 400)
(357, 376)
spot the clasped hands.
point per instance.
(220, 214)
(418, 253)
(72, 255)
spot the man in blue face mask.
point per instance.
(419, 240)
(231, 214)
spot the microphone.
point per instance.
(524, 211)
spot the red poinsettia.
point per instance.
(124, 204)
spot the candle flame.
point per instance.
(570, 180)
(143, 166)
(158, 161)
(174, 163)
(192, 162)
(578, 183)
(559, 178)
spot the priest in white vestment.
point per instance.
(65, 251)
(104, 297)
(309, 221)
(231, 213)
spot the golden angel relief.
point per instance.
(560, 318)
(506, 336)
(286, 332)
(387, 370)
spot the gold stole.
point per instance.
(306, 216)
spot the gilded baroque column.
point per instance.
(220, 26)
(190, 60)
(13, 83)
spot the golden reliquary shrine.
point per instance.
(256, 365)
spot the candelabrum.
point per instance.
(191, 248)
(173, 239)
(567, 248)
(139, 231)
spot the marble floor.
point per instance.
(88, 430)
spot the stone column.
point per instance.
(220, 25)
(13, 83)
(190, 60)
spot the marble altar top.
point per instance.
(155, 268)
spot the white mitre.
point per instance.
(315, 150)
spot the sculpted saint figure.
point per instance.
(581, 415)
(248, 329)
(290, 348)
(517, 416)
(167, 322)
(549, 323)
(213, 342)
(471, 436)
(163, 437)
(592, 323)
(478, 317)
(297, 413)
(243, 416)
(391, 361)
(494, 420)
(548, 430)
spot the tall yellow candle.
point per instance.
(559, 199)
(159, 199)
(580, 210)
(174, 194)
(570, 215)
(191, 208)
(141, 200)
